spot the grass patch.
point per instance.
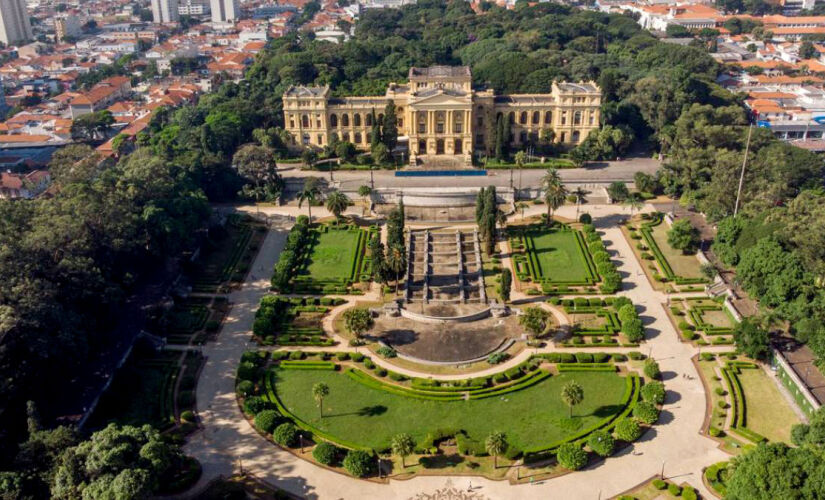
(768, 414)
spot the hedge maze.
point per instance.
(561, 260)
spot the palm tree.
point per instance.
(580, 193)
(634, 201)
(496, 444)
(520, 156)
(309, 194)
(337, 202)
(403, 445)
(396, 262)
(521, 206)
(572, 394)
(551, 178)
(319, 392)
(554, 198)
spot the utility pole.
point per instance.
(742, 173)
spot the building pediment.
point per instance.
(442, 99)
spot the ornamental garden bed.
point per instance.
(561, 260)
(703, 320)
(191, 320)
(366, 406)
(667, 268)
(226, 256)
(325, 259)
(293, 321)
(601, 322)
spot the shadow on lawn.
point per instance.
(367, 411)
(441, 461)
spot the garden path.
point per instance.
(227, 441)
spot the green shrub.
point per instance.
(601, 442)
(646, 412)
(659, 484)
(571, 456)
(247, 370)
(619, 357)
(497, 357)
(357, 357)
(708, 356)
(688, 493)
(325, 453)
(654, 392)
(585, 219)
(358, 463)
(254, 405)
(342, 356)
(628, 429)
(386, 352)
(652, 369)
(368, 364)
(187, 416)
(286, 434)
(296, 355)
(397, 377)
(636, 355)
(720, 392)
(381, 372)
(245, 387)
(266, 420)
(601, 357)
(674, 489)
(584, 357)
(566, 357)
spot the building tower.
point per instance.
(225, 10)
(164, 11)
(14, 22)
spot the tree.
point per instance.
(375, 132)
(359, 463)
(319, 392)
(651, 369)
(345, 150)
(496, 444)
(751, 340)
(683, 236)
(92, 127)
(602, 443)
(389, 130)
(257, 165)
(364, 192)
(337, 202)
(775, 470)
(396, 262)
(504, 286)
(634, 201)
(628, 429)
(572, 394)
(534, 320)
(309, 194)
(358, 320)
(403, 445)
(646, 412)
(618, 191)
(581, 197)
(554, 198)
(645, 182)
(654, 392)
(807, 50)
(571, 456)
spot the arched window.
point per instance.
(512, 117)
(522, 137)
(575, 137)
(345, 120)
(358, 138)
(305, 121)
(333, 120)
(356, 119)
(368, 120)
(523, 118)
(577, 118)
(345, 136)
(548, 117)
(536, 117)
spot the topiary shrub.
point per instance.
(245, 387)
(357, 357)
(652, 369)
(646, 412)
(187, 416)
(635, 355)
(266, 420)
(585, 218)
(659, 484)
(386, 352)
(247, 370)
(325, 453)
(571, 456)
(296, 355)
(688, 493)
(602, 443)
(497, 357)
(674, 489)
(628, 429)
(254, 405)
(654, 392)
(286, 434)
(584, 357)
(358, 463)
(342, 356)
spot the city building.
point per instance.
(225, 10)
(194, 8)
(66, 26)
(165, 11)
(439, 113)
(14, 22)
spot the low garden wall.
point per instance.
(423, 318)
(803, 397)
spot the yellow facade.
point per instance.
(439, 113)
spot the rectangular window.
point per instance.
(480, 140)
(480, 121)
(456, 128)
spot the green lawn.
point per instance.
(531, 418)
(332, 255)
(718, 319)
(685, 266)
(768, 413)
(559, 256)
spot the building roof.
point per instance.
(440, 72)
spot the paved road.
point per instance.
(597, 172)
(675, 443)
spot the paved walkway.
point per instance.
(229, 442)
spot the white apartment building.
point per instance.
(14, 22)
(225, 10)
(165, 11)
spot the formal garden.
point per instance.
(325, 259)
(668, 268)
(703, 320)
(190, 320)
(746, 406)
(601, 322)
(561, 260)
(545, 411)
(226, 256)
(293, 321)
